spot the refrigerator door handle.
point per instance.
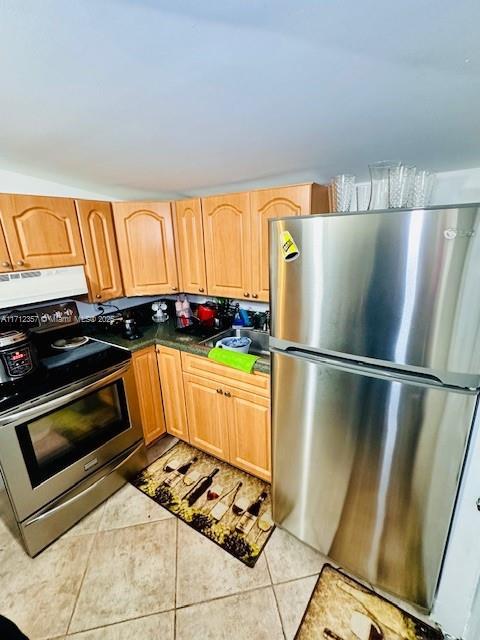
(357, 366)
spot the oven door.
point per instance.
(47, 448)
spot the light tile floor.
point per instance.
(132, 570)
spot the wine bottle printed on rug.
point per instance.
(225, 504)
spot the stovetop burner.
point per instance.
(65, 357)
(69, 343)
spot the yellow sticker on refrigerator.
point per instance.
(289, 248)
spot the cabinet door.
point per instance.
(146, 247)
(206, 415)
(41, 232)
(190, 246)
(102, 267)
(5, 260)
(226, 224)
(171, 379)
(249, 435)
(265, 205)
(149, 393)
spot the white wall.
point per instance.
(457, 187)
(12, 182)
(452, 187)
(454, 605)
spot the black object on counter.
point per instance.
(130, 329)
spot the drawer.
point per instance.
(256, 382)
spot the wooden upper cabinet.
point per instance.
(171, 380)
(146, 247)
(190, 246)
(266, 204)
(149, 393)
(226, 225)
(41, 232)
(102, 267)
(5, 260)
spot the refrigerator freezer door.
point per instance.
(393, 287)
(366, 469)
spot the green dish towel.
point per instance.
(243, 361)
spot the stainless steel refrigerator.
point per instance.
(375, 343)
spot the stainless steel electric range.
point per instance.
(70, 433)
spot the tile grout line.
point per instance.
(309, 575)
(175, 608)
(118, 622)
(156, 613)
(185, 606)
(230, 595)
(176, 583)
(83, 576)
(272, 586)
(109, 624)
(136, 524)
(127, 526)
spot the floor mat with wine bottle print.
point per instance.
(343, 609)
(225, 504)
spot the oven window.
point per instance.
(57, 439)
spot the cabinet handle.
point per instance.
(201, 289)
(220, 392)
(246, 295)
(254, 295)
(20, 263)
(174, 288)
(5, 264)
(228, 394)
(99, 295)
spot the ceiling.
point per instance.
(154, 98)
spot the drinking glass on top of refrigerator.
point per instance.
(343, 187)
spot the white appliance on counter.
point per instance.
(24, 287)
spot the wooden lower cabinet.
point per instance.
(149, 393)
(248, 418)
(256, 382)
(230, 423)
(206, 416)
(171, 381)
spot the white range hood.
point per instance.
(24, 287)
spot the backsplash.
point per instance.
(87, 310)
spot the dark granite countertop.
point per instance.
(166, 335)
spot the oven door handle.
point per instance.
(63, 503)
(14, 419)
